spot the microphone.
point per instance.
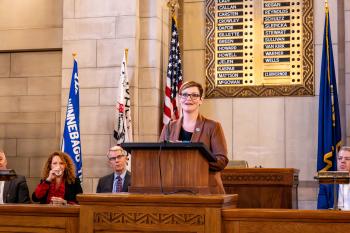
(160, 168)
(167, 133)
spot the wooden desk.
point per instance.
(39, 218)
(276, 221)
(152, 212)
(156, 213)
(262, 187)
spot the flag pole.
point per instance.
(328, 73)
(174, 70)
(71, 143)
(173, 4)
(126, 51)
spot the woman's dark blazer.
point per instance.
(70, 192)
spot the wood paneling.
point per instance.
(39, 219)
(288, 221)
(117, 213)
(262, 187)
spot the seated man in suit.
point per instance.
(15, 190)
(326, 194)
(119, 180)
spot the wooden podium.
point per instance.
(169, 167)
(152, 213)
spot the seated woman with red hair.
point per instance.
(59, 184)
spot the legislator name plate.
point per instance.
(259, 48)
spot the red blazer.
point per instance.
(211, 134)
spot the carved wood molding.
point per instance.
(256, 178)
(148, 218)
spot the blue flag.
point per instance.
(329, 130)
(71, 134)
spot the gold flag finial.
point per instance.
(74, 54)
(173, 4)
(326, 5)
(126, 55)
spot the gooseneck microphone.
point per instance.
(160, 168)
(167, 133)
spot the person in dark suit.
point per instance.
(15, 190)
(326, 194)
(59, 184)
(120, 179)
(193, 127)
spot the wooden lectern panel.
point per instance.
(156, 213)
(176, 169)
(262, 187)
(169, 167)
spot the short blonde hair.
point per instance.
(191, 84)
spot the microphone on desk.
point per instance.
(167, 133)
(166, 140)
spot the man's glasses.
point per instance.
(193, 96)
(114, 158)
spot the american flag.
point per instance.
(174, 77)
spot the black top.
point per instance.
(185, 136)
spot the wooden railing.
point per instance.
(39, 218)
(166, 213)
(278, 221)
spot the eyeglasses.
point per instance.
(115, 157)
(345, 158)
(193, 96)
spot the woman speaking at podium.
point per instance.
(193, 127)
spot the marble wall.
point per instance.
(99, 33)
(347, 68)
(35, 72)
(30, 25)
(268, 132)
(30, 83)
(36, 65)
